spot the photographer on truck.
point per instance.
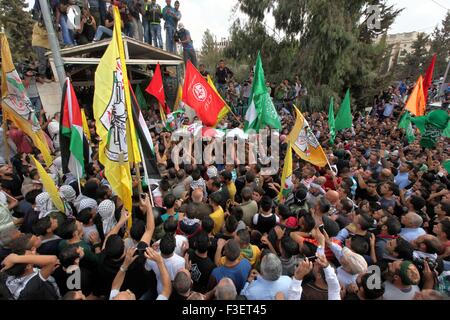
(183, 36)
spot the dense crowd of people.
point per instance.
(376, 226)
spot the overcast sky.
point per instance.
(216, 15)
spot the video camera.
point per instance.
(177, 36)
(419, 262)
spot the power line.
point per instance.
(440, 5)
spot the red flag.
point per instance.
(156, 88)
(199, 95)
(428, 78)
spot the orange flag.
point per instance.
(416, 102)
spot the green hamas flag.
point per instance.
(344, 117)
(446, 165)
(331, 123)
(432, 126)
(446, 132)
(260, 112)
(405, 123)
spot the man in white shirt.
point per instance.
(412, 230)
(172, 261)
(266, 286)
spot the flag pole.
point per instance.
(235, 116)
(5, 138)
(54, 44)
(78, 178)
(146, 175)
(329, 165)
(162, 114)
(138, 175)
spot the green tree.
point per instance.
(441, 46)
(18, 27)
(208, 43)
(416, 62)
(328, 43)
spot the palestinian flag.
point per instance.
(73, 142)
(145, 139)
(173, 120)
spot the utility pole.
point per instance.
(54, 44)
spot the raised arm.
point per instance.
(151, 254)
(362, 184)
(220, 244)
(120, 224)
(47, 263)
(373, 252)
(150, 226)
(120, 276)
(334, 288)
(295, 289)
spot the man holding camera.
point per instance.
(183, 36)
(171, 16)
(151, 19)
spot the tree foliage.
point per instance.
(327, 43)
(441, 46)
(211, 54)
(18, 27)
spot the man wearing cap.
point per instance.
(402, 281)
(184, 37)
(352, 263)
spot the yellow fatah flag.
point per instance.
(286, 177)
(416, 102)
(112, 113)
(305, 143)
(134, 153)
(49, 186)
(85, 125)
(179, 97)
(17, 106)
(226, 109)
